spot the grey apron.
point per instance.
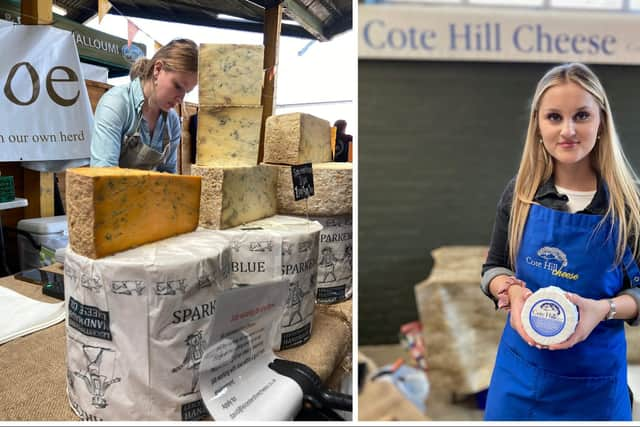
(135, 154)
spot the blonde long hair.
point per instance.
(607, 158)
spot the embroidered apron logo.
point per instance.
(554, 260)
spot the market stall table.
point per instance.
(33, 368)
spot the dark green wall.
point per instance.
(437, 142)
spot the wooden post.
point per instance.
(36, 12)
(272, 26)
(38, 186)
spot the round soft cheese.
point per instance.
(548, 316)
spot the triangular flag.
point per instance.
(156, 45)
(132, 30)
(271, 73)
(103, 9)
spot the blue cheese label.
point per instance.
(548, 316)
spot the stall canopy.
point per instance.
(317, 19)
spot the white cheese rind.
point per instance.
(297, 138)
(230, 74)
(335, 263)
(548, 316)
(274, 248)
(139, 320)
(333, 190)
(228, 136)
(233, 196)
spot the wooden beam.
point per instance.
(272, 27)
(38, 186)
(38, 190)
(36, 12)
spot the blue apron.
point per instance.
(589, 380)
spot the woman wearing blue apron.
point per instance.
(570, 218)
(135, 124)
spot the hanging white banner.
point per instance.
(46, 113)
(411, 32)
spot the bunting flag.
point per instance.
(103, 9)
(156, 45)
(132, 30)
(271, 72)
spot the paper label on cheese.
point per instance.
(548, 316)
(237, 383)
(136, 327)
(280, 247)
(335, 259)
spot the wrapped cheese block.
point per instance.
(136, 327)
(276, 247)
(235, 195)
(333, 194)
(335, 262)
(230, 74)
(297, 138)
(113, 209)
(228, 136)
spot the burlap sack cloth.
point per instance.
(460, 325)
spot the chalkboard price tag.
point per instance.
(302, 177)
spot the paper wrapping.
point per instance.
(136, 327)
(335, 257)
(275, 247)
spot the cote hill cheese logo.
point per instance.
(554, 260)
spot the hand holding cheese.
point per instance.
(517, 298)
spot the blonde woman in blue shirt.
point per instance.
(135, 124)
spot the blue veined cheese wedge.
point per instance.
(230, 74)
(233, 196)
(228, 136)
(548, 316)
(297, 138)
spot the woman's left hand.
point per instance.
(591, 313)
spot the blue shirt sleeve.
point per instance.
(108, 129)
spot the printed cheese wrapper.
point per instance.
(335, 264)
(137, 327)
(280, 247)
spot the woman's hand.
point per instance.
(517, 296)
(591, 313)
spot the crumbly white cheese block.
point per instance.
(274, 248)
(297, 138)
(333, 190)
(235, 195)
(335, 259)
(228, 136)
(230, 74)
(137, 326)
(548, 316)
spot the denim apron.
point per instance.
(589, 380)
(135, 154)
